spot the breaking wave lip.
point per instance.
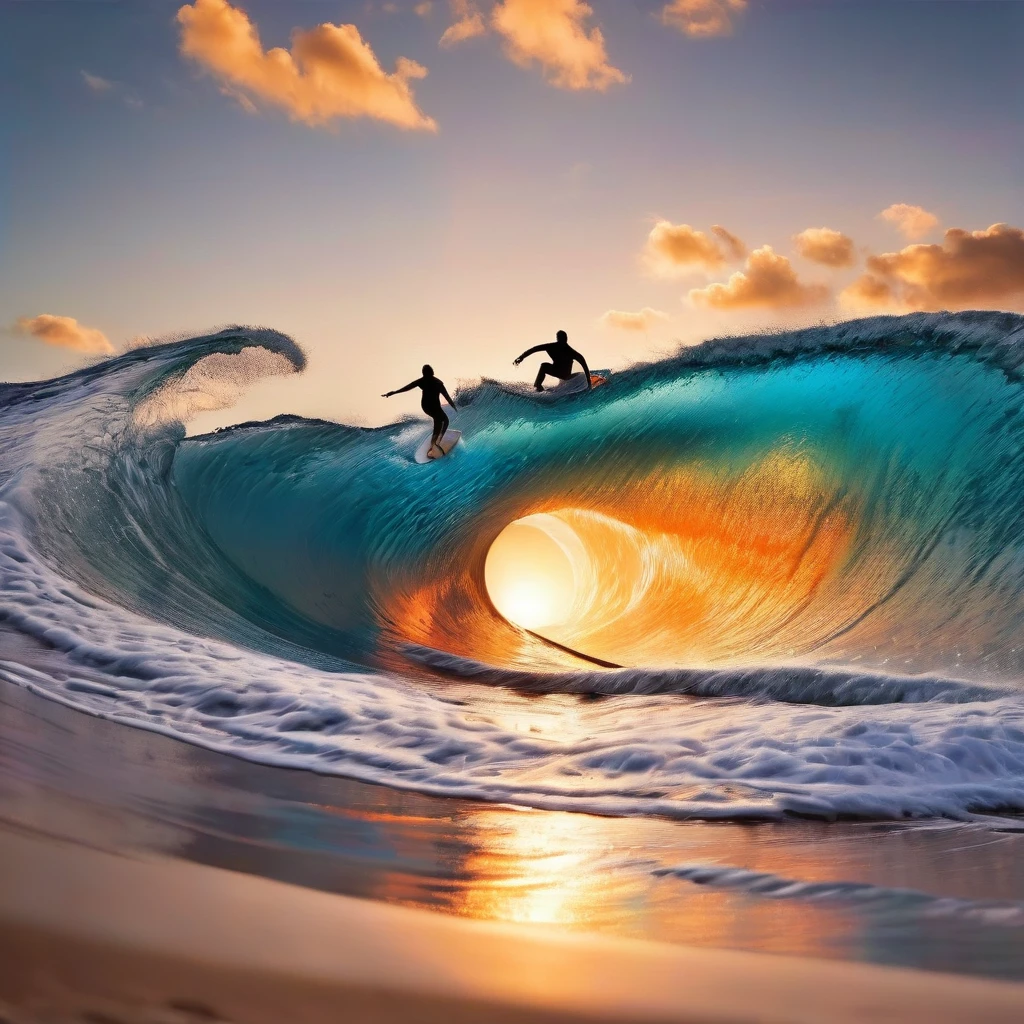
(251, 591)
(863, 895)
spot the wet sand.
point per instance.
(92, 936)
(97, 821)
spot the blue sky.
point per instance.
(160, 205)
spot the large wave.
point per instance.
(797, 557)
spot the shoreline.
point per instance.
(84, 930)
(83, 779)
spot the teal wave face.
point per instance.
(884, 477)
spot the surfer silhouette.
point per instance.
(562, 357)
(433, 388)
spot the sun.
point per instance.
(529, 572)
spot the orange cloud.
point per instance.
(969, 268)
(423, 9)
(914, 221)
(468, 24)
(734, 249)
(703, 18)
(633, 321)
(823, 245)
(675, 249)
(329, 73)
(65, 332)
(552, 33)
(867, 291)
(767, 281)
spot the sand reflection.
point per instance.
(580, 872)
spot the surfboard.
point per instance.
(574, 385)
(446, 444)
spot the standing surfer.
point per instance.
(433, 388)
(562, 358)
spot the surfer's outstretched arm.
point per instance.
(408, 387)
(447, 397)
(529, 352)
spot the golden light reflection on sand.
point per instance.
(570, 871)
(539, 869)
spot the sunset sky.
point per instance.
(453, 182)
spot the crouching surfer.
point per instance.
(430, 402)
(562, 357)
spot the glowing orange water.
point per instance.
(684, 567)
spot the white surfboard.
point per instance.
(427, 454)
(575, 384)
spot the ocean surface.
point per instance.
(802, 551)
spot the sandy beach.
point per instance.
(87, 932)
(112, 905)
